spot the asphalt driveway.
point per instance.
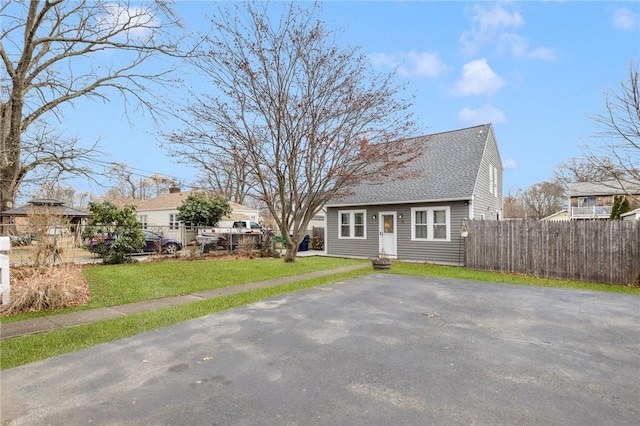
(381, 349)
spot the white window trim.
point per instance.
(352, 224)
(495, 181)
(490, 178)
(173, 225)
(144, 221)
(430, 211)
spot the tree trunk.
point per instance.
(290, 254)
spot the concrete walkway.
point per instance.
(55, 322)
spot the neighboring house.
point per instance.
(421, 217)
(632, 215)
(594, 200)
(18, 221)
(562, 215)
(317, 221)
(160, 215)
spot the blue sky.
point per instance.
(533, 69)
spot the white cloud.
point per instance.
(127, 22)
(510, 164)
(518, 46)
(413, 63)
(485, 23)
(495, 25)
(625, 19)
(485, 114)
(478, 79)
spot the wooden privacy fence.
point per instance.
(595, 250)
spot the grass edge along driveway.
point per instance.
(26, 349)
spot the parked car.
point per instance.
(153, 243)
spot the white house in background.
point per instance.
(160, 215)
(632, 215)
(562, 215)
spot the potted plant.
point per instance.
(382, 261)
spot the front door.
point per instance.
(388, 233)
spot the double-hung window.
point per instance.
(173, 221)
(352, 224)
(143, 221)
(430, 224)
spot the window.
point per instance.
(439, 225)
(421, 225)
(586, 201)
(173, 221)
(352, 224)
(143, 221)
(493, 180)
(430, 223)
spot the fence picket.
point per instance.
(598, 251)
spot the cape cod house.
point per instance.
(422, 216)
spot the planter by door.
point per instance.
(381, 263)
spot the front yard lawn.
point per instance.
(112, 285)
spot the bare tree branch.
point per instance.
(54, 52)
(617, 149)
(290, 108)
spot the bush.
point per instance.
(46, 288)
(121, 228)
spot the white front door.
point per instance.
(388, 238)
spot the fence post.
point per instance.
(5, 246)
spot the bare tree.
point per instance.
(294, 106)
(227, 177)
(68, 195)
(543, 199)
(130, 184)
(618, 150)
(581, 169)
(54, 52)
(513, 207)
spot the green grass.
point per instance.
(112, 285)
(457, 272)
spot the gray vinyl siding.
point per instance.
(367, 247)
(441, 252)
(484, 202)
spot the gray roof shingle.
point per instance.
(447, 171)
(609, 187)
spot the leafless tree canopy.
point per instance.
(540, 200)
(53, 52)
(543, 199)
(618, 142)
(290, 106)
(584, 170)
(131, 185)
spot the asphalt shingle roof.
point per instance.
(447, 171)
(609, 187)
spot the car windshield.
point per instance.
(150, 235)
